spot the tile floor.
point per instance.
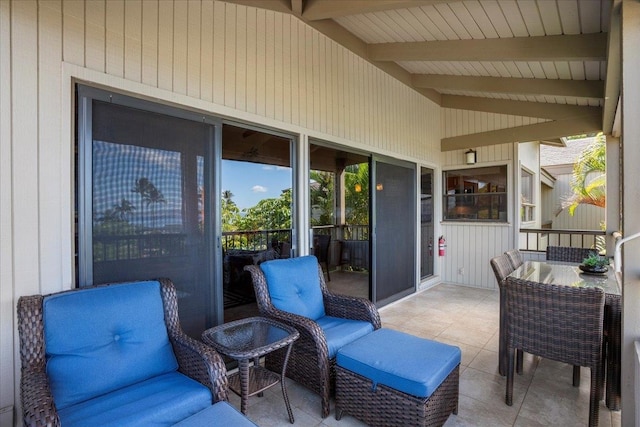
(468, 318)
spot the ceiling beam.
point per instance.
(340, 35)
(330, 9)
(283, 6)
(577, 47)
(552, 87)
(518, 108)
(536, 132)
(612, 82)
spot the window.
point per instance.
(527, 200)
(477, 194)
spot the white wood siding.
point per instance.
(464, 122)
(470, 246)
(586, 217)
(227, 60)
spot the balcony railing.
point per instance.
(537, 239)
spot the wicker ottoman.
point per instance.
(389, 378)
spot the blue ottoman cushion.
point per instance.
(220, 414)
(407, 363)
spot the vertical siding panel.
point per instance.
(219, 42)
(321, 67)
(180, 48)
(150, 43)
(307, 36)
(94, 34)
(315, 81)
(295, 71)
(52, 192)
(278, 79)
(241, 58)
(8, 368)
(270, 95)
(133, 40)
(261, 83)
(24, 150)
(334, 107)
(286, 69)
(194, 17)
(73, 32)
(251, 39)
(206, 51)
(115, 37)
(165, 44)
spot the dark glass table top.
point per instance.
(250, 337)
(553, 272)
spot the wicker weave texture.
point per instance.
(309, 362)
(567, 254)
(557, 322)
(515, 258)
(502, 267)
(389, 407)
(195, 359)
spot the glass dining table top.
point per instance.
(558, 273)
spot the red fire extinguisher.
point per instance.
(441, 246)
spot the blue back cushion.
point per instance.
(294, 285)
(101, 339)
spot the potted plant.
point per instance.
(595, 263)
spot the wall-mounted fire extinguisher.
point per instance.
(441, 246)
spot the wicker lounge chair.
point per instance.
(561, 323)
(567, 254)
(194, 359)
(310, 363)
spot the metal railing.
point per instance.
(537, 239)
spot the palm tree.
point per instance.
(123, 209)
(589, 177)
(149, 194)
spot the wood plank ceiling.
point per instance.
(537, 58)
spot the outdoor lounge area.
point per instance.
(403, 143)
(468, 318)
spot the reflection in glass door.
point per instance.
(339, 209)
(426, 223)
(256, 206)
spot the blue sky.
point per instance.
(252, 182)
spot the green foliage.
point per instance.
(595, 261)
(268, 214)
(322, 197)
(230, 212)
(356, 184)
(589, 177)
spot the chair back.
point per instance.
(321, 244)
(567, 254)
(515, 258)
(562, 323)
(502, 267)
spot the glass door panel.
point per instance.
(426, 223)
(395, 231)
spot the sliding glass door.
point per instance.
(145, 180)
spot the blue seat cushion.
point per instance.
(102, 339)
(160, 401)
(294, 285)
(339, 332)
(404, 362)
(220, 414)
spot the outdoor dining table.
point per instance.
(559, 273)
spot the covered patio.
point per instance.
(411, 84)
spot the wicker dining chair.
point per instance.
(561, 323)
(567, 254)
(309, 363)
(515, 258)
(321, 243)
(502, 267)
